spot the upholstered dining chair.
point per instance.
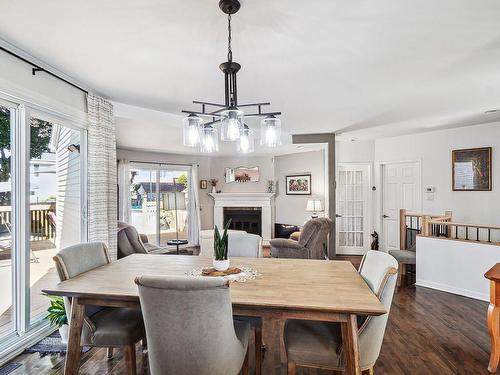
(311, 242)
(190, 328)
(319, 344)
(240, 244)
(109, 327)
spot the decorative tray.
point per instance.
(238, 274)
(214, 272)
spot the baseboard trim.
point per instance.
(453, 290)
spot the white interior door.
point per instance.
(353, 208)
(400, 189)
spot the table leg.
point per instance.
(72, 363)
(274, 362)
(351, 345)
(494, 330)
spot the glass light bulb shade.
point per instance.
(246, 142)
(232, 124)
(209, 141)
(191, 126)
(270, 132)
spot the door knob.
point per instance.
(385, 216)
(337, 215)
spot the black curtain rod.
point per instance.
(37, 68)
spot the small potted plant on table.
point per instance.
(56, 315)
(220, 262)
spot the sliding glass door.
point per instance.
(42, 209)
(158, 197)
(7, 257)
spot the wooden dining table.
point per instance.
(285, 289)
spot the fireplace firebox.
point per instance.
(248, 219)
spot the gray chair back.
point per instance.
(189, 325)
(75, 260)
(314, 235)
(379, 270)
(242, 244)
(129, 241)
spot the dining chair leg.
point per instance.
(400, 274)
(258, 350)
(291, 368)
(130, 362)
(244, 368)
(109, 353)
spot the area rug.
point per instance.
(9, 367)
(51, 345)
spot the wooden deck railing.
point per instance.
(41, 227)
(443, 226)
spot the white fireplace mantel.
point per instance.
(262, 200)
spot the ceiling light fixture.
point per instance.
(196, 133)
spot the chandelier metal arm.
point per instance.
(209, 103)
(263, 114)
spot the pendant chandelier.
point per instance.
(202, 128)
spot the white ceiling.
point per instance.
(365, 68)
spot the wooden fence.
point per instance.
(41, 227)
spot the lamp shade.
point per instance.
(232, 124)
(314, 205)
(191, 130)
(246, 141)
(209, 142)
(270, 131)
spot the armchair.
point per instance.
(310, 244)
(129, 241)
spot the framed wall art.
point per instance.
(472, 169)
(298, 184)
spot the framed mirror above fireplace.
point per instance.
(242, 174)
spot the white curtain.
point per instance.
(193, 207)
(124, 190)
(102, 197)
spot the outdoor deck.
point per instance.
(42, 274)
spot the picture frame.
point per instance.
(471, 169)
(203, 184)
(298, 184)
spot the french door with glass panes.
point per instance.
(42, 210)
(353, 208)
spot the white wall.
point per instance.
(291, 209)
(434, 149)
(455, 266)
(16, 78)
